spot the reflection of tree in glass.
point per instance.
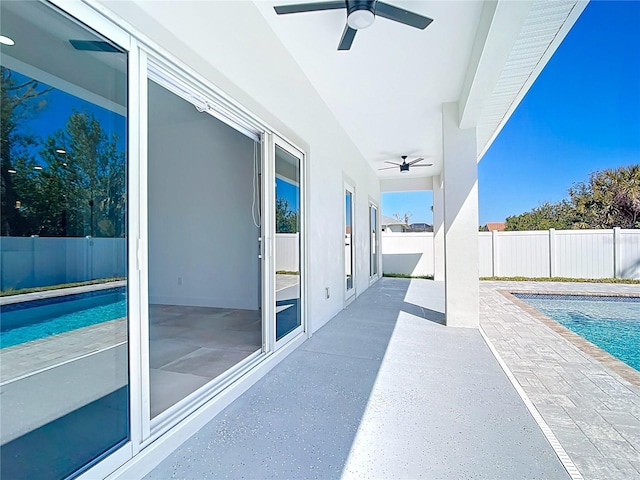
(76, 193)
(286, 219)
(19, 101)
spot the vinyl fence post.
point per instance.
(617, 251)
(494, 254)
(552, 252)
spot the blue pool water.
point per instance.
(26, 321)
(611, 323)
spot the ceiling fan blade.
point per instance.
(415, 161)
(403, 16)
(347, 38)
(422, 165)
(387, 168)
(393, 163)
(95, 46)
(309, 7)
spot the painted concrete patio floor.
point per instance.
(593, 411)
(382, 391)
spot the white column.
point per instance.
(438, 229)
(460, 180)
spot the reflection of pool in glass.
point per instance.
(26, 321)
(612, 323)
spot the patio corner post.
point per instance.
(460, 194)
(438, 229)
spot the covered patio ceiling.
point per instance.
(387, 91)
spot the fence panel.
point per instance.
(584, 254)
(485, 243)
(409, 253)
(41, 261)
(522, 254)
(544, 253)
(629, 262)
(287, 252)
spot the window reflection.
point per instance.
(287, 214)
(63, 351)
(348, 240)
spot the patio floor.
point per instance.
(382, 391)
(591, 405)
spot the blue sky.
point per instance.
(581, 115)
(58, 108)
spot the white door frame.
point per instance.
(349, 293)
(270, 223)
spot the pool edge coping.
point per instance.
(564, 458)
(59, 292)
(607, 360)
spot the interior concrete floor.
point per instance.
(190, 346)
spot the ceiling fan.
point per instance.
(404, 166)
(360, 14)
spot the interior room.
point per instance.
(204, 229)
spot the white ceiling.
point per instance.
(387, 91)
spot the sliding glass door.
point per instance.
(373, 241)
(288, 240)
(349, 248)
(64, 402)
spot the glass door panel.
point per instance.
(348, 241)
(287, 242)
(373, 240)
(64, 355)
(205, 314)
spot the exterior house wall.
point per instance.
(273, 87)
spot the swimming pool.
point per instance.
(610, 322)
(26, 321)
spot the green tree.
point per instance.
(560, 216)
(79, 193)
(287, 220)
(19, 100)
(610, 198)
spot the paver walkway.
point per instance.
(384, 390)
(593, 411)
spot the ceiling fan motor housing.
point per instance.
(404, 167)
(360, 13)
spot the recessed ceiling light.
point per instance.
(37, 167)
(11, 170)
(61, 151)
(6, 41)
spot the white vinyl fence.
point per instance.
(409, 253)
(41, 261)
(287, 252)
(547, 253)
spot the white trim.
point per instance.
(559, 450)
(143, 401)
(268, 244)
